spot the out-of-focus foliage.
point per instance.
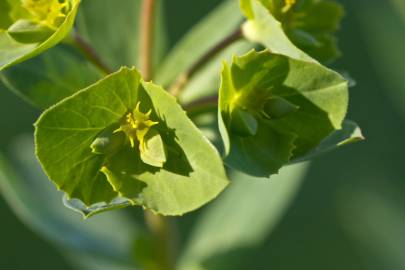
(322, 229)
(38, 205)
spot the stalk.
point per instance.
(161, 228)
(89, 52)
(146, 45)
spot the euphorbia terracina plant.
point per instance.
(111, 139)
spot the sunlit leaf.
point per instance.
(191, 173)
(311, 103)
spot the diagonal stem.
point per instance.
(183, 78)
(201, 105)
(89, 52)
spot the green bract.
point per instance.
(124, 141)
(292, 27)
(29, 27)
(274, 109)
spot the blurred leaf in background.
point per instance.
(106, 239)
(349, 212)
(227, 239)
(379, 228)
(385, 37)
(399, 6)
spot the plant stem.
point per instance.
(89, 52)
(147, 25)
(160, 227)
(165, 239)
(201, 105)
(183, 78)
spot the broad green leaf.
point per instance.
(350, 133)
(116, 39)
(259, 204)
(31, 27)
(251, 83)
(50, 77)
(191, 176)
(302, 29)
(107, 239)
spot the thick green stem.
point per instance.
(183, 78)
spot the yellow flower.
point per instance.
(136, 125)
(47, 12)
(288, 5)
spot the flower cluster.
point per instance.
(50, 13)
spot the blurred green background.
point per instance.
(349, 213)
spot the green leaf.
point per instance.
(304, 26)
(23, 40)
(64, 135)
(243, 123)
(350, 133)
(50, 77)
(302, 95)
(107, 239)
(222, 231)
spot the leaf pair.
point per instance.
(274, 110)
(178, 171)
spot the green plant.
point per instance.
(126, 141)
